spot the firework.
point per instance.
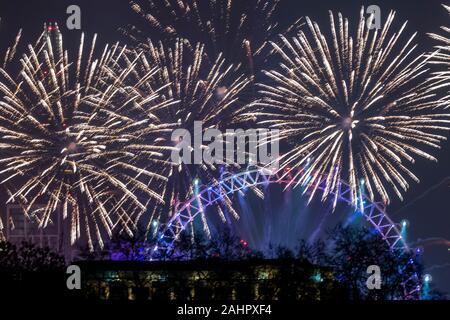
(357, 107)
(239, 29)
(8, 56)
(442, 56)
(70, 143)
(11, 51)
(195, 90)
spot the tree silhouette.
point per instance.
(31, 270)
(352, 250)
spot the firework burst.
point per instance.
(195, 90)
(11, 51)
(239, 29)
(70, 144)
(442, 56)
(355, 107)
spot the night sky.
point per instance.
(425, 205)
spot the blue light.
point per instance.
(404, 223)
(426, 287)
(196, 181)
(317, 277)
(403, 232)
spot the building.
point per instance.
(19, 227)
(207, 280)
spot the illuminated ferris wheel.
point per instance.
(231, 183)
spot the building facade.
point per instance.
(19, 227)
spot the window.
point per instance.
(22, 228)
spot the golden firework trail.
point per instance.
(11, 50)
(359, 106)
(442, 57)
(70, 143)
(238, 29)
(8, 57)
(194, 90)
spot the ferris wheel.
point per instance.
(230, 183)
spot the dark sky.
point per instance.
(425, 205)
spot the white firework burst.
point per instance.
(71, 144)
(359, 106)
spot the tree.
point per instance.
(31, 269)
(29, 258)
(352, 250)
